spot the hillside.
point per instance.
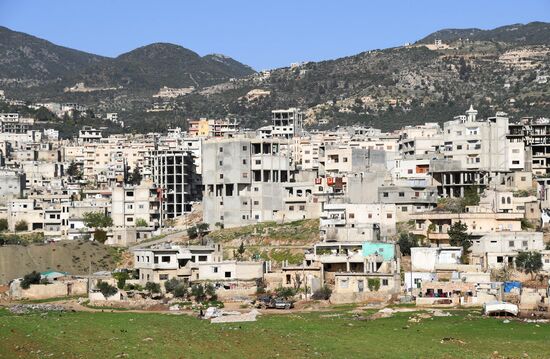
(74, 257)
(534, 33)
(504, 69)
(27, 61)
(32, 69)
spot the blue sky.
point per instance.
(262, 34)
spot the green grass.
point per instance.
(144, 335)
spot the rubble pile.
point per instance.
(29, 308)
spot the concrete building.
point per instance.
(134, 204)
(175, 175)
(243, 180)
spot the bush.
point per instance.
(406, 242)
(121, 278)
(322, 294)
(140, 222)
(100, 236)
(31, 278)
(374, 284)
(133, 287)
(197, 291)
(152, 287)
(180, 291)
(21, 225)
(3, 224)
(106, 289)
(285, 292)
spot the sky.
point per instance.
(262, 34)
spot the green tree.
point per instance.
(197, 291)
(459, 237)
(192, 232)
(152, 287)
(241, 250)
(73, 170)
(140, 222)
(21, 225)
(121, 278)
(135, 177)
(3, 224)
(373, 284)
(31, 278)
(106, 289)
(97, 220)
(202, 228)
(100, 236)
(406, 242)
(529, 262)
(471, 197)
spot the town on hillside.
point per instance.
(451, 215)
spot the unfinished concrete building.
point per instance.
(175, 175)
(242, 180)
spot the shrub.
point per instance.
(121, 278)
(31, 278)
(285, 292)
(529, 262)
(21, 225)
(197, 291)
(323, 293)
(140, 222)
(180, 291)
(3, 224)
(152, 287)
(106, 289)
(374, 284)
(100, 236)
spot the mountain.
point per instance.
(534, 33)
(504, 69)
(27, 61)
(32, 66)
(162, 64)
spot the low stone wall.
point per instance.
(364, 297)
(53, 290)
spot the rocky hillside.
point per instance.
(504, 69)
(32, 68)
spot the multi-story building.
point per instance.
(244, 179)
(175, 175)
(136, 206)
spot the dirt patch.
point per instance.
(74, 257)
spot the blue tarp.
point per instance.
(508, 286)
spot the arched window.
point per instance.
(509, 200)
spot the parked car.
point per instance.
(268, 302)
(281, 303)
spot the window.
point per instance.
(511, 244)
(221, 175)
(500, 259)
(524, 244)
(245, 148)
(384, 282)
(458, 147)
(165, 259)
(245, 174)
(221, 163)
(385, 194)
(410, 171)
(163, 276)
(369, 215)
(351, 216)
(288, 279)
(344, 283)
(202, 258)
(401, 194)
(404, 209)
(244, 162)
(256, 203)
(215, 269)
(221, 149)
(523, 179)
(227, 275)
(389, 215)
(291, 208)
(302, 208)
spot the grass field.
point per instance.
(318, 335)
